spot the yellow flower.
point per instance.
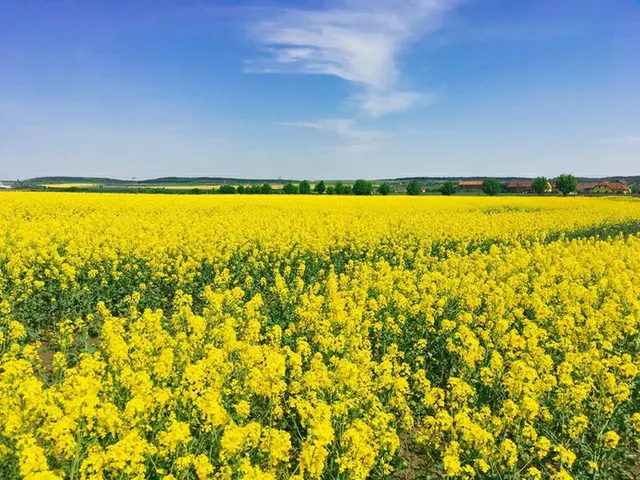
(451, 460)
(543, 445)
(178, 433)
(610, 439)
(243, 409)
(562, 475)
(577, 425)
(361, 450)
(482, 466)
(312, 459)
(33, 462)
(202, 467)
(534, 474)
(16, 331)
(236, 438)
(635, 421)
(565, 456)
(277, 443)
(509, 453)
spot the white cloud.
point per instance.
(356, 40)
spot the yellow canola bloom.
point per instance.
(201, 337)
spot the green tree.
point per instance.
(321, 187)
(567, 184)
(491, 187)
(540, 185)
(448, 188)
(290, 189)
(331, 190)
(266, 189)
(384, 189)
(347, 190)
(304, 188)
(413, 188)
(362, 187)
(339, 188)
(241, 189)
(227, 189)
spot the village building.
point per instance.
(586, 187)
(525, 186)
(520, 186)
(611, 187)
(470, 185)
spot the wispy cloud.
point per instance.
(344, 127)
(357, 40)
(376, 104)
(621, 140)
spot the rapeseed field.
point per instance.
(315, 337)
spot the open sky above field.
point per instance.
(319, 89)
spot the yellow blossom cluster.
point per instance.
(208, 337)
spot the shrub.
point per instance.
(227, 189)
(362, 187)
(290, 189)
(304, 188)
(448, 188)
(384, 189)
(491, 187)
(413, 188)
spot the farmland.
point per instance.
(279, 337)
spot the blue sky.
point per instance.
(319, 88)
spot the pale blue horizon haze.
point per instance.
(334, 89)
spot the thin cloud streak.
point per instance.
(376, 105)
(352, 139)
(344, 127)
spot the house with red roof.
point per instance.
(611, 187)
(587, 187)
(520, 186)
(470, 185)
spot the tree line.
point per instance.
(565, 184)
(360, 187)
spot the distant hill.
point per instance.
(55, 180)
(162, 181)
(209, 181)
